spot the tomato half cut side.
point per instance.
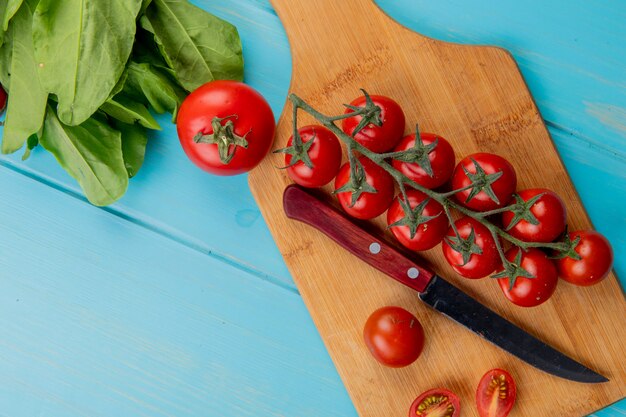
(495, 395)
(438, 402)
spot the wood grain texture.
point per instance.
(477, 99)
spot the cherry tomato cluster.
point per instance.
(483, 186)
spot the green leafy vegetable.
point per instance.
(91, 153)
(128, 111)
(82, 47)
(27, 99)
(134, 141)
(200, 48)
(82, 76)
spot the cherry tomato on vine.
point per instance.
(548, 210)
(377, 138)
(394, 336)
(438, 402)
(494, 178)
(530, 292)
(482, 248)
(440, 160)
(595, 263)
(429, 224)
(324, 153)
(225, 127)
(368, 204)
(495, 395)
(3, 99)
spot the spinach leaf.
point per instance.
(144, 6)
(82, 47)
(27, 98)
(128, 111)
(31, 143)
(6, 56)
(149, 83)
(199, 46)
(134, 141)
(91, 153)
(8, 8)
(146, 50)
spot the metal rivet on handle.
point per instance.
(375, 248)
(413, 273)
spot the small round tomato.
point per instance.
(368, 204)
(595, 263)
(394, 336)
(377, 138)
(3, 99)
(438, 402)
(494, 181)
(324, 154)
(530, 292)
(481, 253)
(225, 127)
(440, 160)
(548, 210)
(495, 395)
(428, 226)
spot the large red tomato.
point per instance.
(3, 98)
(369, 204)
(596, 259)
(435, 163)
(481, 253)
(494, 178)
(546, 209)
(225, 127)
(394, 336)
(428, 226)
(527, 291)
(324, 154)
(382, 133)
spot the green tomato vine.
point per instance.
(480, 181)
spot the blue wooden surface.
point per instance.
(176, 302)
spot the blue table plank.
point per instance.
(101, 317)
(164, 303)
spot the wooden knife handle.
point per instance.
(301, 205)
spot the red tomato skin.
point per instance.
(394, 336)
(596, 262)
(479, 266)
(549, 210)
(503, 187)
(3, 99)
(325, 154)
(531, 292)
(428, 234)
(368, 205)
(490, 385)
(377, 139)
(453, 400)
(441, 161)
(224, 98)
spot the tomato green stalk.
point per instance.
(442, 198)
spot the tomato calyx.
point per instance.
(481, 181)
(413, 217)
(570, 248)
(299, 151)
(513, 270)
(357, 184)
(418, 154)
(370, 114)
(465, 246)
(224, 137)
(521, 211)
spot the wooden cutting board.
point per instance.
(476, 98)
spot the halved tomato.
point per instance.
(438, 402)
(495, 394)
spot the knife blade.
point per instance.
(432, 289)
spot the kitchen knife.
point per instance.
(432, 289)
